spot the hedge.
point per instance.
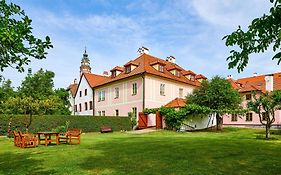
(48, 122)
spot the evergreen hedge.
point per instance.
(48, 122)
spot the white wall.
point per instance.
(81, 100)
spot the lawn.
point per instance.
(233, 151)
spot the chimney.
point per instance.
(269, 82)
(229, 76)
(75, 81)
(105, 73)
(143, 50)
(171, 59)
(255, 74)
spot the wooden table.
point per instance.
(48, 137)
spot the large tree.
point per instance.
(6, 89)
(265, 105)
(262, 33)
(217, 95)
(17, 43)
(39, 85)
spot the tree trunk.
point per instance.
(219, 122)
(267, 131)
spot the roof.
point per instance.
(117, 68)
(258, 83)
(94, 79)
(176, 103)
(144, 62)
(72, 88)
(200, 76)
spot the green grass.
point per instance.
(233, 151)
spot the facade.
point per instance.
(145, 82)
(245, 86)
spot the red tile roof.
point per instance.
(248, 84)
(200, 76)
(143, 63)
(117, 68)
(176, 103)
(94, 79)
(73, 88)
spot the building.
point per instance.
(144, 82)
(260, 84)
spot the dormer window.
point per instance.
(177, 73)
(192, 77)
(114, 74)
(161, 68)
(128, 69)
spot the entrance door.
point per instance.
(142, 122)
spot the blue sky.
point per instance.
(113, 30)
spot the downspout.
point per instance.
(93, 101)
(143, 92)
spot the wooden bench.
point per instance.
(105, 129)
(70, 135)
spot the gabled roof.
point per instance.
(143, 63)
(200, 76)
(176, 103)
(117, 68)
(73, 88)
(188, 72)
(94, 79)
(257, 83)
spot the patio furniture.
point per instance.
(16, 139)
(48, 137)
(27, 140)
(105, 129)
(71, 135)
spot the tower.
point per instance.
(85, 64)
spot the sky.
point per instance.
(113, 30)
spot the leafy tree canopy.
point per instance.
(262, 33)
(17, 44)
(39, 85)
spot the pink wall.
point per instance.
(125, 102)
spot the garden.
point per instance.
(231, 151)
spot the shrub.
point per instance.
(49, 122)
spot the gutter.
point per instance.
(93, 102)
(143, 91)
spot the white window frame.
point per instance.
(116, 92)
(162, 89)
(134, 89)
(180, 92)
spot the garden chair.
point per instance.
(16, 139)
(71, 135)
(27, 140)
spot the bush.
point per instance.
(48, 122)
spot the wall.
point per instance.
(71, 101)
(199, 122)
(81, 100)
(126, 100)
(153, 99)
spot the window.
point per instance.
(249, 117)
(99, 113)
(75, 108)
(114, 74)
(134, 110)
(192, 77)
(85, 92)
(103, 113)
(264, 116)
(91, 105)
(116, 112)
(80, 93)
(134, 90)
(180, 92)
(128, 69)
(162, 89)
(161, 68)
(177, 73)
(234, 117)
(86, 106)
(80, 107)
(248, 96)
(116, 92)
(101, 95)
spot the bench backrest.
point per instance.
(74, 131)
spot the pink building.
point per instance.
(245, 86)
(144, 82)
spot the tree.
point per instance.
(217, 95)
(17, 44)
(265, 106)
(263, 32)
(38, 86)
(6, 89)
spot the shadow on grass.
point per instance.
(170, 155)
(21, 163)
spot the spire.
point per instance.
(85, 63)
